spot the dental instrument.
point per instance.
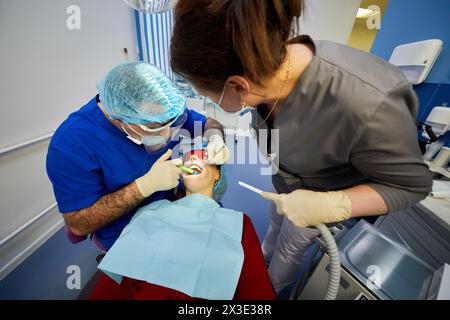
(186, 169)
(335, 262)
(249, 187)
(440, 194)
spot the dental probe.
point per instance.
(249, 187)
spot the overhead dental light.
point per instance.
(151, 6)
(365, 13)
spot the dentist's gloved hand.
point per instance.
(217, 149)
(309, 208)
(163, 175)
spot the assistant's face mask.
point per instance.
(238, 113)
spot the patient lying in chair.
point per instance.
(186, 249)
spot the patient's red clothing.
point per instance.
(254, 282)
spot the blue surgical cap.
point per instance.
(221, 185)
(139, 93)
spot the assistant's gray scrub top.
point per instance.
(350, 120)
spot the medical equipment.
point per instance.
(373, 267)
(331, 248)
(445, 194)
(249, 187)
(139, 93)
(187, 170)
(191, 245)
(443, 157)
(416, 59)
(151, 6)
(439, 122)
(432, 149)
(436, 124)
(215, 152)
(217, 149)
(423, 228)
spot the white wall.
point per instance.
(47, 72)
(329, 19)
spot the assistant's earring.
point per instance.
(243, 105)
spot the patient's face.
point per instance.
(205, 177)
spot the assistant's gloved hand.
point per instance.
(309, 208)
(217, 149)
(163, 175)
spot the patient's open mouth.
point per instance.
(197, 169)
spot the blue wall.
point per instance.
(407, 21)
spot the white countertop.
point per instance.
(438, 206)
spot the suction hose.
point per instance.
(335, 263)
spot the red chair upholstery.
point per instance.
(73, 237)
(254, 282)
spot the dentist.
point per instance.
(113, 155)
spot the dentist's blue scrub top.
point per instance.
(88, 157)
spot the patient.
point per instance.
(207, 179)
(208, 182)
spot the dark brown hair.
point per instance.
(214, 39)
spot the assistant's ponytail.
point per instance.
(214, 39)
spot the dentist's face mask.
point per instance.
(156, 138)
